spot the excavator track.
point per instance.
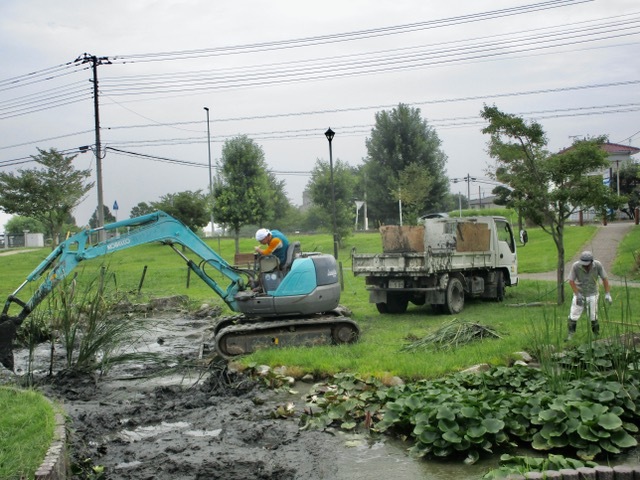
(239, 335)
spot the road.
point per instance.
(604, 246)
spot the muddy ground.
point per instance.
(220, 427)
(147, 421)
(143, 421)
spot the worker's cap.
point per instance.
(586, 258)
(262, 233)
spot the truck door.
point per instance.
(507, 249)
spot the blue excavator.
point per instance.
(296, 303)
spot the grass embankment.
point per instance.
(26, 429)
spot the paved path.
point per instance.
(604, 245)
(12, 252)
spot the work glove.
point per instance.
(579, 299)
(608, 298)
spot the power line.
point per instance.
(387, 106)
(191, 163)
(373, 62)
(347, 36)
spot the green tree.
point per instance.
(546, 188)
(107, 215)
(191, 208)
(412, 191)
(401, 140)
(319, 187)
(18, 224)
(630, 187)
(244, 191)
(47, 193)
(141, 209)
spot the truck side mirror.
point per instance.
(524, 237)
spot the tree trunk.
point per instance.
(236, 238)
(559, 239)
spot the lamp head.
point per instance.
(329, 134)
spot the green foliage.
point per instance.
(546, 188)
(400, 141)
(106, 215)
(627, 262)
(48, 194)
(18, 224)
(93, 338)
(244, 191)
(322, 197)
(189, 207)
(468, 415)
(413, 190)
(142, 208)
(27, 425)
(629, 180)
(514, 464)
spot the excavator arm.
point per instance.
(154, 227)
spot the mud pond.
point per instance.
(142, 423)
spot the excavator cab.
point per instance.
(271, 272)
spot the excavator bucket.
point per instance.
(7, 335)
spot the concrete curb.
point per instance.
(55, 465)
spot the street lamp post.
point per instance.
(210, 174)
(330, 134)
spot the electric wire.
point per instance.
(348, 36)
(369, 63)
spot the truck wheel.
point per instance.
(394, 304)
(455, 296)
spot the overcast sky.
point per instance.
(282, 72)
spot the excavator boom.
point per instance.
(305, 288)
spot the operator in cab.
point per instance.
(275, 243)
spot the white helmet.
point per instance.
(262, 233)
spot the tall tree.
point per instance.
(142, 208)
(630, 187)
(107, 216)
(401, 140)
(48, 193)
(319, 187)
(244, 192)
(547, 188)
(191, 208)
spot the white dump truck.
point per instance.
(440, 262)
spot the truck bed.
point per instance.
(413, 263)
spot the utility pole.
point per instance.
(469, 179)
(210, 175)
(95, 61)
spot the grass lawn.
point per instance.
(527, 318)
(26, 429)
(383, 336)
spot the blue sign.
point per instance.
(115, 205)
